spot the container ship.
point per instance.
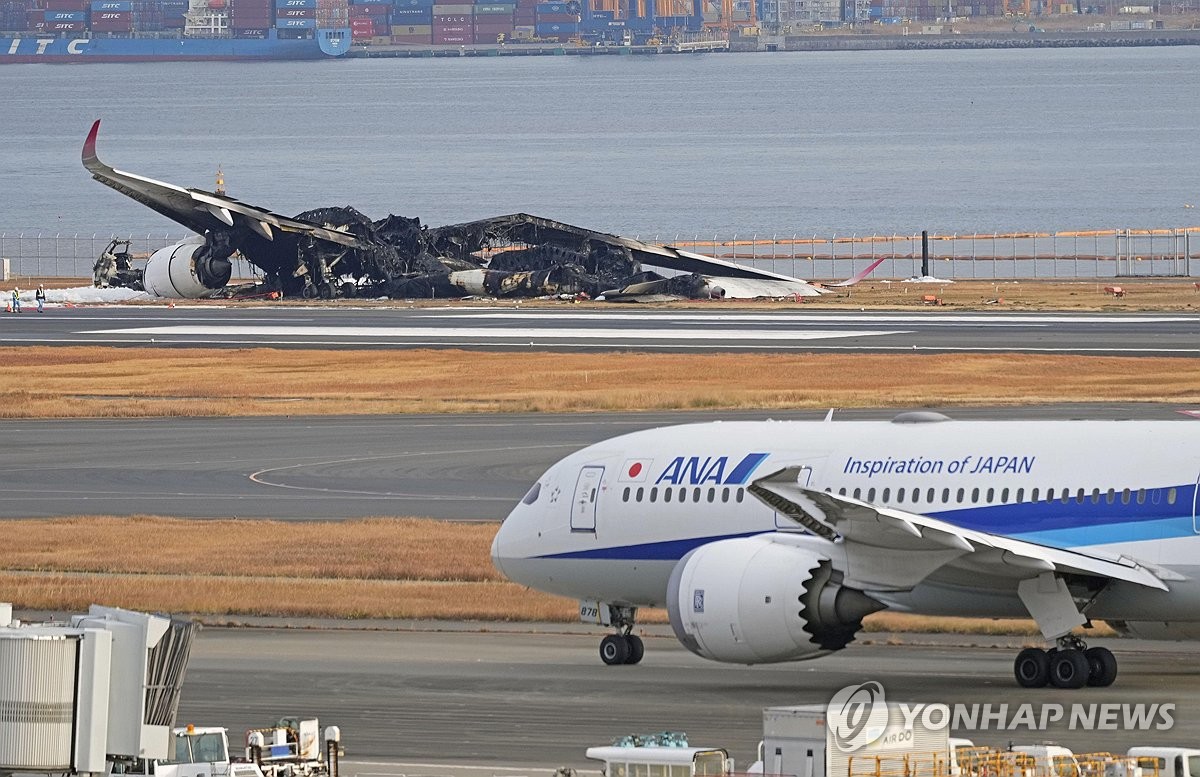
(172, 30)
(158, 30)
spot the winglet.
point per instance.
(89, 147)
(861, 275)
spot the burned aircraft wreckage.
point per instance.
(338, 252)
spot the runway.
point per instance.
(462, 467)
(408, 699)
(512, 328)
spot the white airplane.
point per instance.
(769, 541)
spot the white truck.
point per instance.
(661, 755)
(291, 748)
(1166, 761)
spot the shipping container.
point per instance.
(111, 26)
(412, 29)
(369, 9)
(452, 19)
(413, 4)
(505, 28)
(556, 28)
(457, 29)
(66, 16)
(564, 18)
(452, 38)
(65, 26)
(452, 10)
(408, 40)
(120, 6)
(295, 13)
(410, 15)
(495, 8)
(552, 8)
(65, 5)
(256, 33)
(296, 4)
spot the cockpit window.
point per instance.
(532, 496)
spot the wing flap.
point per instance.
(835, 517)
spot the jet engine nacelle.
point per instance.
(185, 271)
(752, 601)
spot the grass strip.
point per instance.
(72, 382)
(384, 568)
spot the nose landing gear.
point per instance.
(1070, 665)
(624, 647)
(621, 649)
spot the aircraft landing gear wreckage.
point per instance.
(338, 252)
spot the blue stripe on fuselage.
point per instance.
(668, 550)
(1054, 524)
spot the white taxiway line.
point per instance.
(490, 333)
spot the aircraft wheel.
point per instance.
(636, 649)
(326, 291)
(1102, 667)
(1032, 668)
(1069, 669)
(614, 649)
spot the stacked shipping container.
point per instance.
(251, 18)
(295, 18)
(453, 24)
(493, 20)
(112, 16)
(369, 19)
(333, 14)
(412, 22)
(556, 20)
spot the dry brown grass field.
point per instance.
(133, 382)
(375, 568)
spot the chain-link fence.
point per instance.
(72, 255)
(1065, 255)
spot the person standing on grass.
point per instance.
(16, 300)
(40, 296)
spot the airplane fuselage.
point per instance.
(612, 521)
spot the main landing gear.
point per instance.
(624, 647)
(1070, 665)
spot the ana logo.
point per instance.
(696, 471)
(857, 716)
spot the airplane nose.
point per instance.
(497, 560)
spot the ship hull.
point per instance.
(80, 49)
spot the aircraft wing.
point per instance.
(896, 549)
(198, 210)
(535, 229)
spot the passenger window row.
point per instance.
(994, 495)
(916, 496)
(682, 494)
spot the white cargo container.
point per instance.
(796, 743)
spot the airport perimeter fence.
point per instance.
(32, 254)
(1017, 256)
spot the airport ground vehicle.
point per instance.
(293, 747)
(1167, 761)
